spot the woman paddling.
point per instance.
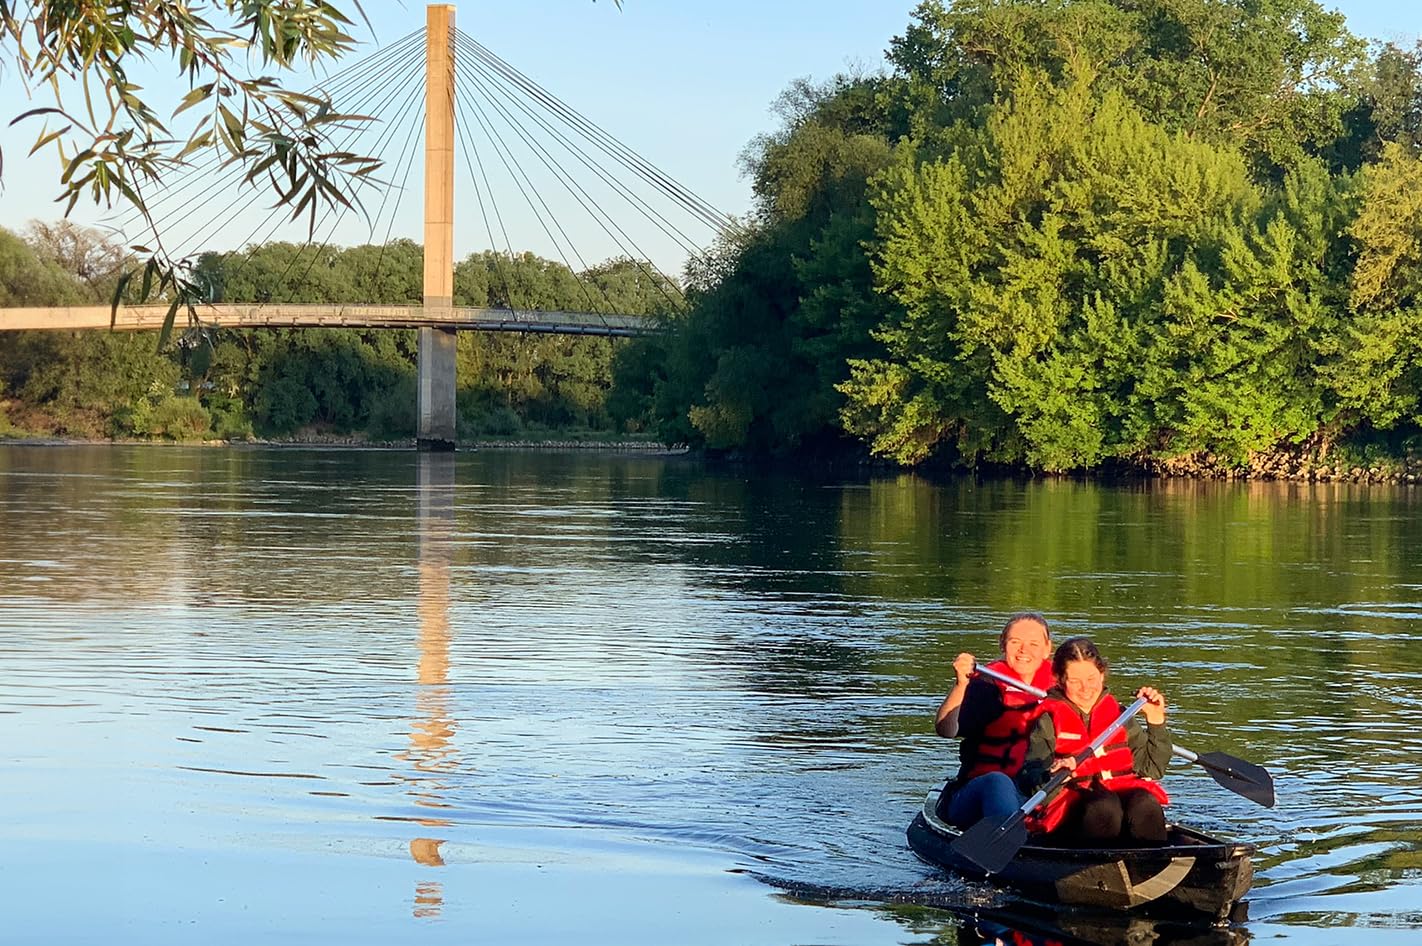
(993, 720)
(1112, 797)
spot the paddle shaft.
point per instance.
(1028, 688)
(1237, 775)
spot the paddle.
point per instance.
(993, 842)
(1243, 778)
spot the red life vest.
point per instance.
(1002, 745)
(1112, 767)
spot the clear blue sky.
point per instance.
(685, 83)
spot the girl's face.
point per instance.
(1024, 647)
(1082, 682)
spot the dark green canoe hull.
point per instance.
(1192, 874)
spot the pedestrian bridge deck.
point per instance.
(273, 315)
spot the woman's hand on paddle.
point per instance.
(947, 722)
(1068, 763)
(1153, 711)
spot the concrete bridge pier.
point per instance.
(436, 422)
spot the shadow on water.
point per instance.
(1023, 927)
(957, 913)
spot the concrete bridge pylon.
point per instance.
(436, 368)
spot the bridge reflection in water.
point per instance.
(430, 753)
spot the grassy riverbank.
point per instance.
(574, 439)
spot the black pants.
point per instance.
(1132, 817)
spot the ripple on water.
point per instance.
(586, 663)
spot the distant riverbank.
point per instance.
(358, 442)
(1340, 465)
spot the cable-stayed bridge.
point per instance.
(518, 143)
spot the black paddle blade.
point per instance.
(992, 843)
(1241, 777)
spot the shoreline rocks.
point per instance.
(1297, 467)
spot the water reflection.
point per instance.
(1038, 926)
(430, 752)
(662, 657)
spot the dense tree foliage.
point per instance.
(775, 314)
(1062, 233)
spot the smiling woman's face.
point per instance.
(1082, 681)
(1025, 646)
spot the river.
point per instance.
(344, 696)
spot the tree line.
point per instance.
(1061, 235)
(306, 382)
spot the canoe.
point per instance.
(1192, 874)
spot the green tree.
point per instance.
(1277, 76)
(1378, 369)
(776, 311)
(1388, 108)
(28, 278)
(1084, 285)
(84, 252)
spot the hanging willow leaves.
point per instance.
(110, 139)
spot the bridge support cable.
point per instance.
(496, 91)
(405, 157)
(471, 148)
(390, 221)
(190, 174)
(394, 123)
(515, 171)
(385, 105)
(277, 216)
(580, 194)
(379, 95)
(668, 228)
(352, 78)
(357, 77)
(577, 272)
(714, 218)
(496, 257)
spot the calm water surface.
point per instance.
(363, 697)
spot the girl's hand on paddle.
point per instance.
(1153, 711)
(1068, 763)
(963, 666)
